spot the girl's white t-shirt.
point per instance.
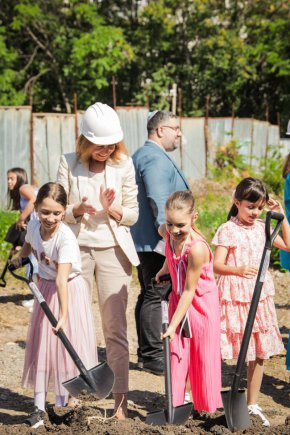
(61, 248)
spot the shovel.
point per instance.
(2, 279)
(170, 415)
(16, 238)
(100, 379)
(234, 400)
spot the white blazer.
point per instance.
(73, 175)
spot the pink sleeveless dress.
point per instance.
(198, 357)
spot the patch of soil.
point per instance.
(146, 390)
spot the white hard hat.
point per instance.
(101, 125)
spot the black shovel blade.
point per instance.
(179, 415)
(102, 381)
(3, 283)
(236, 409)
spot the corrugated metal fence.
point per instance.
(48, 135)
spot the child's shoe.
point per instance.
(257, 410)
(187, 398)
(36, 418)
(28, 303)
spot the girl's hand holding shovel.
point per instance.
(17, 262)
(60, 325)
(170, 332)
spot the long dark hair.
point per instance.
(14, 195)
(286, 167)
(54, 191)
(249, 189)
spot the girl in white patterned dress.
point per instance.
(240, 243)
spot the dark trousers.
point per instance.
(148, 308)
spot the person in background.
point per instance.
(47, 363)
(21, 197)
(239, 246)
(285, 256)
(99, 179)
(157, 177)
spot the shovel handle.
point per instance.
(167, 363)
(62, 336)
(271, 237)
(65, 341)
(67, 344)
(24, 262)
(2, 277)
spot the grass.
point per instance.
(7, 218)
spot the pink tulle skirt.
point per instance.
(47, 363)
(266, 339)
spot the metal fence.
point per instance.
(35, 141)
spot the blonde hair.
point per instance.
(183, 200)
(84, 149)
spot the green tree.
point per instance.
(235, 52)
(63, 48)
(9, 77)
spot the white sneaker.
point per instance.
(257, 410)
(28, 304)
(187, 398)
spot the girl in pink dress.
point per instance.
(47, 363)
(190, 263)
(240, 243)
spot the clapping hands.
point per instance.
(107, 197)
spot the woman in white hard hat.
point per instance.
(99, 179)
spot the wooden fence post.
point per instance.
(76, 115)
(31, 136)
(180, 114)
(114, 92)
(206, 133)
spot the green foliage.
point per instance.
(9, 78)
(6, 218)
(213, 210)
(210, 219)
(62, 48)
(229, 163)
(271, 170)
(235, 52)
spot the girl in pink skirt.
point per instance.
(240, 243)
(190, 263)
(47, 363)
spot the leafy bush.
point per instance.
(210, 220)
(7, 218)
(271, 170)
(213, 210)
(229, 163)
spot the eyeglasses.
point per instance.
(176, 128)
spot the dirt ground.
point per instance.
(146, 390)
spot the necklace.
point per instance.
(175, 249)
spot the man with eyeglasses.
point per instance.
(157, 176)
